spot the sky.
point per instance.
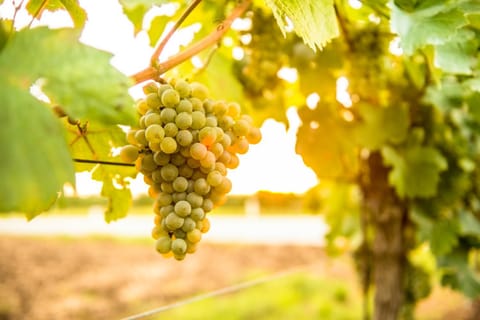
(270, 165)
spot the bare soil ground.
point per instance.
(51, 278)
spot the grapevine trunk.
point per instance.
(388, 215)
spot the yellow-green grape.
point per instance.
(169, 172)
(170, 98)
(173, 221)
(214, 178)
(154, 133)
(183, 208)
(199, 91)
(197, 214)
(163, 244)
(183, 120)
(198, 120)
(194, 236)
(241, 127)
(142, 106)
(152, 118)
(179, 247)
(168, 145)
(168, 115)
(184, 138)
(180, 184)
(161, 158)
(171, 129)
(195, 200)
(207, 136)
(254, 135)
(153, 101)
(198, 151)
(184, 106)
(183, 88)
(129, 153)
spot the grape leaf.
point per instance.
(73, 75)
(35, 162)
(381, 125)
(313, 20)
(119, 200)
(135, 10)
(78, 15)
(415, 170)
(469, 224)
(325, 144)
(457, 273)
(157, 27)
(441, 233)
(457, 56)
(433, 23)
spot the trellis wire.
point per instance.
(219, 292)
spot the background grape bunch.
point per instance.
(184, 145)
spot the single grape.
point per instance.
(179, 247)
(198, 213)
(153, 101)
(183, 208)
(171, 129)
(183, 120)
(194, 236)
(129, 153)
(201, 186)
(198, 151)
(169, 172)
(198, 120)
(148, 164)
(214, 178)
(179, 196)
(170, 98)
(195, 200)
(184, 106)
(162, 88)
(152, 118)
(163, 244)
(140, 137)
(168, 145)
(173, 221)
(161, 158)
(254, 135)
(241, 127)
(168, 115)
(180, 184)
(142, 106)
(154, 133)
(183, 88)
(184, 138)
(199, 91)
(207, 136)
(163, 199)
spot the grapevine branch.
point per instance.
(153, 72)
(164, 41)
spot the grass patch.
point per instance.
(298, 296)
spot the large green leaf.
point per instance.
(457, 273)
(433, 23)
(415, 170)
(73, 75)
(35, 162)
(459, 55)
(313, 20)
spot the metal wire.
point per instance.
(219, 292)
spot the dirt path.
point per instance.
(90, 279)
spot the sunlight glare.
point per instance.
(312, 100)
(288, 74)
(355, 4)
(342, 94)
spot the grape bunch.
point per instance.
(184, 145)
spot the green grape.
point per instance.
(153, 101)
(197, 174)
(195, 200)
(179, 246)
(163, 199)
(185, 171)
(184, 138)
(167, 187)
(183, 208)
(140, 137)
(162, 88)
(198, 120)
(180, 184)
(194, 236)
(220, 108)
(148, 164)
(233, 110)
(157, 176)
(179, 196)
(220, 167)
(198, 213)
(226, 122)
(207, 136)
(225, 186)
(163, 244)
(207, 205)
(161, 158)
(226, 141)
(183, 120)
(168, 115)
(193, 163)
(241, 127)
(129, 153)
(189, 224)
(170, 98)
(197, 105)
(154, 133)
(169, 172)
(154, 146)
(152, 118)
(201, 186)
(173, 221)
(168, 145)
(199, 91)
(208, 162)
(184, 106)
(179, 233)
(131, 136)
(214, 178)
(211, 121)
(171, 129)
(165, 210)
(208, 106)
(198, 151)
(141, 122)
(217, 149)
(183, 88)
(178, 159)
(142, 106)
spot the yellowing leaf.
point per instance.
(312, 20)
